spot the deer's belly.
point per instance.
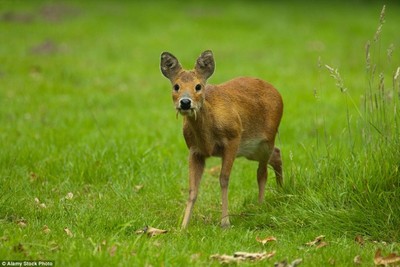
(255, 149)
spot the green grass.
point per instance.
(85, 109)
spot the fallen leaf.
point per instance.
(33, 177)
(284, 263)
(296, 263)
(195, 257)
(254, 256)
(322, 244)
(150, 231)
(389, 259)
(20, 248)
(69, 196)
(360, 240)
(46, 229)
(22, 224)
(316, 241)
(41, 205)
(68, 232)
(357, 260)
(225, 258)
(138, 187)
(265, 240)
(242, 256)
(380, 242)
(54, 246)
(112, 250)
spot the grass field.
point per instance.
(91, 151)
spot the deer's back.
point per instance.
(257, 103)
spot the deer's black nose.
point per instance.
(185, 103)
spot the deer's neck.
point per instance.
(199, 131)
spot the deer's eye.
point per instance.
(198, 87)
(176, 87)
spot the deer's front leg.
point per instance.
(228, 158)
(196, 168)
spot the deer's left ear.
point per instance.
(205, 64)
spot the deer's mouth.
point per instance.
(192, 112)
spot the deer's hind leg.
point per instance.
(276, 162)
(262, 175)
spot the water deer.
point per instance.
(238, 118)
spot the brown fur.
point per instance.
(237, 118)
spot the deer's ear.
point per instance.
(169, 65)
(205, 64)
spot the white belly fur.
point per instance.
(255, 149)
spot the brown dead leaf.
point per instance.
(388, 260)
(195, 257)
(20, 248)
(112, 250)
(296, 263)
(254, 256)
(33, 177)
(53, 246)
(359, 240)
(357, 260)
(150, 231)
(69, 196)
(68, 232)
(22, 224)
(265, 240)
(285, 263)
(316, 241)
(46, 47)
(242, 256)
(46, 229)
(39, 204)
(322, 244)
(225, 258)
(138, 187)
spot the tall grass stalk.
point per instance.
(365, 176)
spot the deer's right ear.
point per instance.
(169, 65)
